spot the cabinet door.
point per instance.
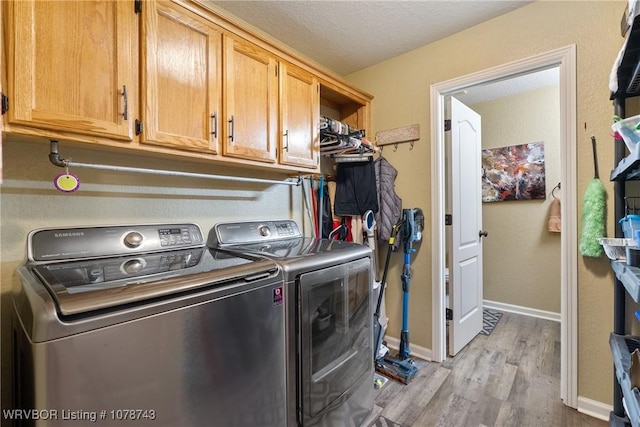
(181, 78)
(299, 115)
(70, 66)
(250, 100)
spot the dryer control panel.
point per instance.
(233, 233)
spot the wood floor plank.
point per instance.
(501, 384)
(509, 415)
(484, 412)
(404, 409)
(510, 378)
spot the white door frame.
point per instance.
(565, 59)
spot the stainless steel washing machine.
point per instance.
(145, 325)
(328, 288)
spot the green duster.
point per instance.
(593, 214)
(594, 206)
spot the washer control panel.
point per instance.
(91, 242)
(83, 275)
(232, 233)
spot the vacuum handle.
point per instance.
(383, 282)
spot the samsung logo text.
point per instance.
(70, 234)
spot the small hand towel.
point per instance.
(554, 223)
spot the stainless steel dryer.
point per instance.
(328, 289)
(145, 325)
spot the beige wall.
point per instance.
(401, 89)
(29, 201)
(521, 264)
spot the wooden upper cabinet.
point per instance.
(181, 78)
(71, 67)
(250, 101)
(299, 116)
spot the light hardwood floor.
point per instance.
(510, 378)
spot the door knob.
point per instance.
(483, 234)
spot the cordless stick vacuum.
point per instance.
(412, 226)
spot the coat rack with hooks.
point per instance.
(396, 136)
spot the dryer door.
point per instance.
(336, 335)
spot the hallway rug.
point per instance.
(490, 319)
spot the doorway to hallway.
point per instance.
(565, 60)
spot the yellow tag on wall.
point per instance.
(66, 182)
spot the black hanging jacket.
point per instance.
(355, 189)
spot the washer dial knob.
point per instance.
(133, 239)
(264, 231)
(133, 266)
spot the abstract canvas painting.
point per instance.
(513, 173)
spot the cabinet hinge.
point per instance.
(448, 219)
(138, 127)
(5, 103)
(276, 70)
(447, 125)
(448, 314)
(137, 6)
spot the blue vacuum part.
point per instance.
(400, 370)
(404, 333)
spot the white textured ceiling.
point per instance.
(510, 87)
(349, 35)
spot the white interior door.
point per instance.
(465, 254)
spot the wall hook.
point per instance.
(410, 145)
(395, 147)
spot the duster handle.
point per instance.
(595, 157)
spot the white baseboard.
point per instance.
(526, 311)
(594, 408)
(416, 351)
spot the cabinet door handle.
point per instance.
(125, 114)
(231, 135)
(286, 140)
(214, 119)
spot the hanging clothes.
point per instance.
(389, 202)
(356, 230)
(356, 189)
(325, 216)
